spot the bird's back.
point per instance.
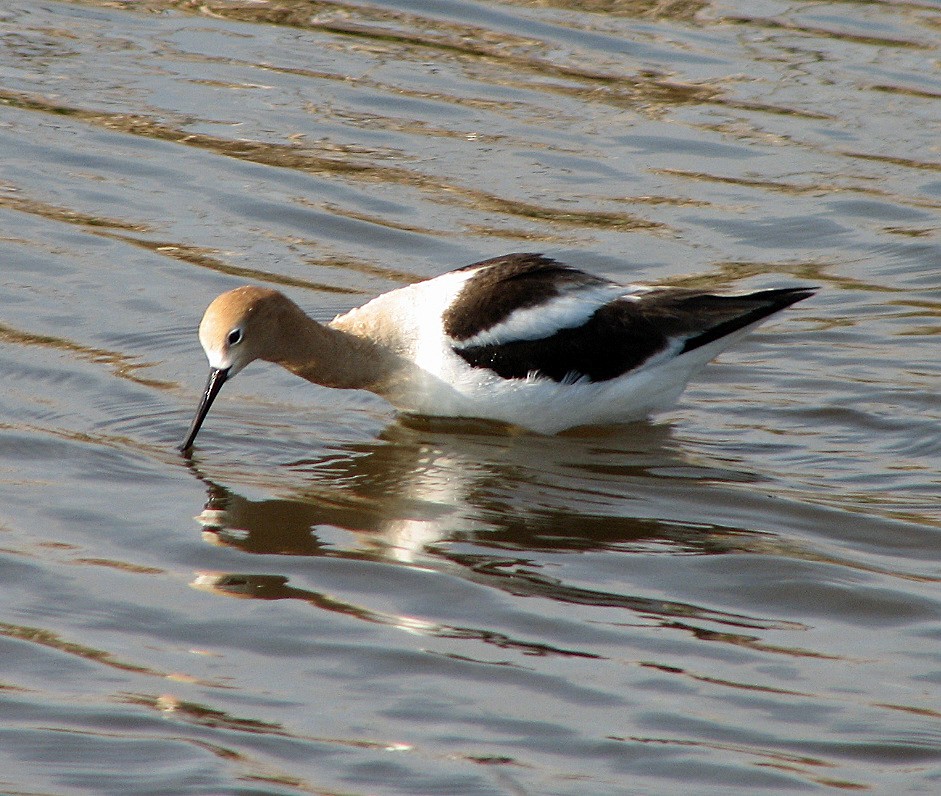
(527, 340)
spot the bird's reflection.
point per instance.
(481, 506)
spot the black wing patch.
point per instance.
(625, 333)
(507, 284)
(616, 339)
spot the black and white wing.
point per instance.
(525, 316)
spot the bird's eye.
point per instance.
(235, 337)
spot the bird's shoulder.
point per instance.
(521, 296)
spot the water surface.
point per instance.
(738, 596)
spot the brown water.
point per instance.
(740, 596)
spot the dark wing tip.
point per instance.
(742, 311)
(782, 297)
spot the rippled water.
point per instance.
(741, 595)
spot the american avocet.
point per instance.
(521, 339)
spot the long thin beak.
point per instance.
(217, 377)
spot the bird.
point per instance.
(521, 339)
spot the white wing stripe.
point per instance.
(566, 311)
